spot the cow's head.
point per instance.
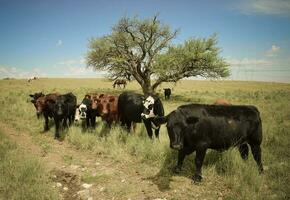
(81, 112)
(177, 126)
(60, 105)
(39, 104)
(82, 109)
(105, 105)
(35, 96)
(148, 111)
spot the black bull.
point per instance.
(64, 109)
(198, 127)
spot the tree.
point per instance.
(143, 49)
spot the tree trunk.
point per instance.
(147, 88)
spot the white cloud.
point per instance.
(74, 68)
(13, 72)
(248, 62)
(59, 43)
(268, 7)
(273, 51)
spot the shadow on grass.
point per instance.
(163, 178)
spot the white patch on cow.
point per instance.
(154, 126)
(151, 115)
(149, 101)
(79, 114)
(82, 106)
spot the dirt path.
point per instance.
(87, 175)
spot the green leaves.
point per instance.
(143, 49)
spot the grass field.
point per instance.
(226, 175)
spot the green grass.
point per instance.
(22, 176)
(239, 179)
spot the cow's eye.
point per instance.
(150, 107)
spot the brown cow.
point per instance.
(108, 108)
(222, 102)
(44, 105)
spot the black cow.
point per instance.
(197, 127)
(130, 108)
(64, 110)
(167, 93)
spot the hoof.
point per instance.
(197, 178)
(176, 169)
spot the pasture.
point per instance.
(131, 166)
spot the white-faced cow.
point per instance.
(198, 127)
(87, 110)
(132, 108)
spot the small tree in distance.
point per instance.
(143, 49)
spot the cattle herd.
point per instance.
(191, 127)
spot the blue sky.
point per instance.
(50, 38)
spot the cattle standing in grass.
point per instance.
(64, 110)
(120, 82)
(130, 108)
(88, 110)
(34, 97)
(222, 102)
(167, 93)
(198, 127)
(107, 108)
(44, 106)
(31, 79)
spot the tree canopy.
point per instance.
(143, 49)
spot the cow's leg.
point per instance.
(64, 123)
(181, 156)
(128, 126)
(200, 154)
(93, 122)
(134, 125)
(57, 122)
(88, 119)
(257, 154)
(148, 128)
(244, 151)
(157, 133)
(46, 128)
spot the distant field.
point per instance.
(226, 175)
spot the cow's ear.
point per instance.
(159, 120)
(192, 120)
(31, 95)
